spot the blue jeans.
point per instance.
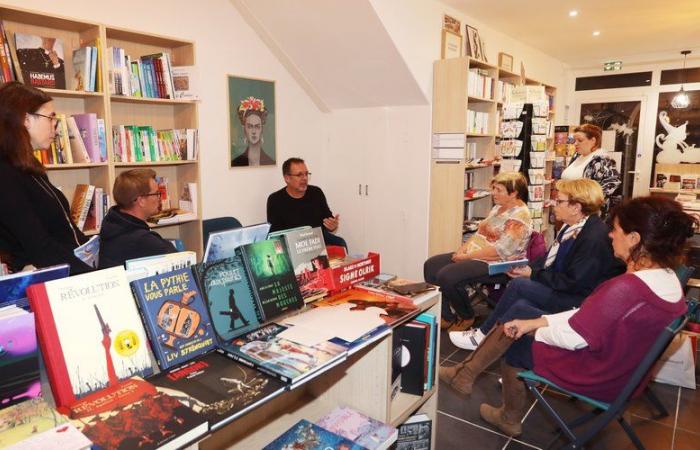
(519, 354)
(332, 239)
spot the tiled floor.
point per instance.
(459, 425)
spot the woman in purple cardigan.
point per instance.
(592, 350)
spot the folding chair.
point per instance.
(603, 413)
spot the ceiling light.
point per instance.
(573, 13)
(681, 100)
(596, 33)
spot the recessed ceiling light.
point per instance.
(596, 33)
(573, 13)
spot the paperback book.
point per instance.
(223, 244)
(309, 258)
(19, 357)
(217, 388)
(496, 267)
(175, 315)
(359, 428)
(306, 435)
(289, 361)
(90, 333)
(41, 60)
(415, 433)
(271, 276)
(13, 287)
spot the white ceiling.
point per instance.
(631, 30)
(338, 50)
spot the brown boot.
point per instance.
(494, 345)
(447, 374)
(508, 417)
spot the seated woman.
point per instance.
(503, 235)
(595, 349)
(580, 258)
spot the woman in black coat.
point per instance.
(35, 224)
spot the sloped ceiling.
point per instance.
(629, 29)
(338, 51)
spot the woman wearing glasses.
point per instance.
(580, 258)
(35, 224)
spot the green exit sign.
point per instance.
(612, 65)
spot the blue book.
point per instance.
(497, 267)
(175, 315)
(13, 286)
(307, 435)
(92, 79)
(229, 298)
(431, 320)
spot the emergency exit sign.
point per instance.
(612, 65)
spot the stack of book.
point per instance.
(148, 76)
(480, 84)
(144, 144)
(88, 207)
(80, 138)
(86, 69)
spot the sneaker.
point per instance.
(468, 340)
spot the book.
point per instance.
(307, 252)
(152, 421)
(77, 145)
(271, 276)
(19, 357)
(87, 125)
(496, 267)
(80, 205)
(13, 287)
(35, 425)
(217, 388)
(359, 428)
(109, 345)
(396, 286)
(390, 309)
(306, 435)
(232, 305)
(41, 60)
(431, 321)
(415, 433)
(81, 68)
(147, 266)
(176, 318)
(414, 339)
(89, 252)
(288, 361)
(223, 244)
(185, 82)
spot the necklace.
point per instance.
(47, 188)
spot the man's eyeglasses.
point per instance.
(52, 118)
(300, 174)
(151, 194)
(559, 202)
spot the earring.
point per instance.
(262, 140)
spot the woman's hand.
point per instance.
(517, 328)
(520, 272)
(459, 257)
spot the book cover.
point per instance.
(271, 276)
(81, 68)
(77, 145)
(289, 361)
(233, 307)
(13, 287)
(19, 357)
(147, 266)
(415, 433)
(35, 424)
(223, 244)
(431, 321)
(89, 252)
(41, 60)
(217, 388)
(185, 82)
(108, 345)
(307, 252)
(87, 125)
(359, 428)
(413, 360)
(175, 315)
(306, 435)
(391, 309)
(496, 267)
(153, 421)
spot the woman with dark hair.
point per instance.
(252, 114)
(35, 226)
(595, 349)
(591, 162)
(503, 235)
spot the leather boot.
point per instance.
(493, 347)
(509, 416)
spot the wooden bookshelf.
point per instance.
(451, 101)
(116, 110)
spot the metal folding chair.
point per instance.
(603, 413)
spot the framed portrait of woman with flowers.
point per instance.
(252, 124)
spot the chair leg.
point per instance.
(654, 400)
(630, 433)
(563, 427)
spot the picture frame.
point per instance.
(451, 24)
(252, 122)
(474, 48)
(451, 45)
(505, 61)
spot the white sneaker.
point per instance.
(468, 340)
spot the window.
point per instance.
(622, 80)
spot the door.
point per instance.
(623, 115)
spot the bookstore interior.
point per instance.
(169, 279)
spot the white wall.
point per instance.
(224, 45)
(649, 96)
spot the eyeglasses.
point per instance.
(52, 118)
(300, 174)
(151, 194)
(559, 202)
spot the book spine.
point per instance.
(85, 206)
(253, 284)
(49, 343)
(253, 365)
(150, 328)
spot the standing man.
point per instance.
(124, 233)
(300, 203)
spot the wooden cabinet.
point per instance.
(117, 110)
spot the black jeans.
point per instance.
(332, 239)
(453, 277)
